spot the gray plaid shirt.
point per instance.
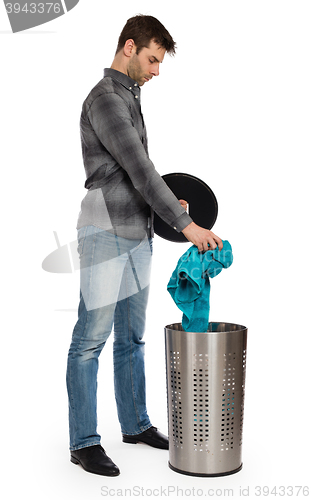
(123, 186)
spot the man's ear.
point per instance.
(129, 47)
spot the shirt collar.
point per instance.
(125, 80)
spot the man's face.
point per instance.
(145, 65)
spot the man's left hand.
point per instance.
(183, 204)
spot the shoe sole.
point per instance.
(130, 440)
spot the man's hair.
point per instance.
(142, 29)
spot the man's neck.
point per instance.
(119, 64)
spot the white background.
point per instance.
(233, 108)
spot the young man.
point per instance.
(115, 231)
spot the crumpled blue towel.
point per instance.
(189, 284)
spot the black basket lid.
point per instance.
(202, 203)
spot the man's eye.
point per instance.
(151, 61)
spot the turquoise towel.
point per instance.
(189, 284)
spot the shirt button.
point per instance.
(130, 88)
(135, 84)
(136, 97)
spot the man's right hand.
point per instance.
(204, 239)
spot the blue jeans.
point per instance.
(114, 286)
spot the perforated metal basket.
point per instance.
(205, 396)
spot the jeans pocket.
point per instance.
(81, 239)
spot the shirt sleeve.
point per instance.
(113, 124)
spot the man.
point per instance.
(115, 231)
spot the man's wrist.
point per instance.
(183, 221)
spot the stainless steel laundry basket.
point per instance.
(205, 398)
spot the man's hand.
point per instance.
(183, 204)
(202, 238)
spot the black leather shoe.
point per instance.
(151, 436)
(94, 459)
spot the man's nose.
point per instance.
(155, 70)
